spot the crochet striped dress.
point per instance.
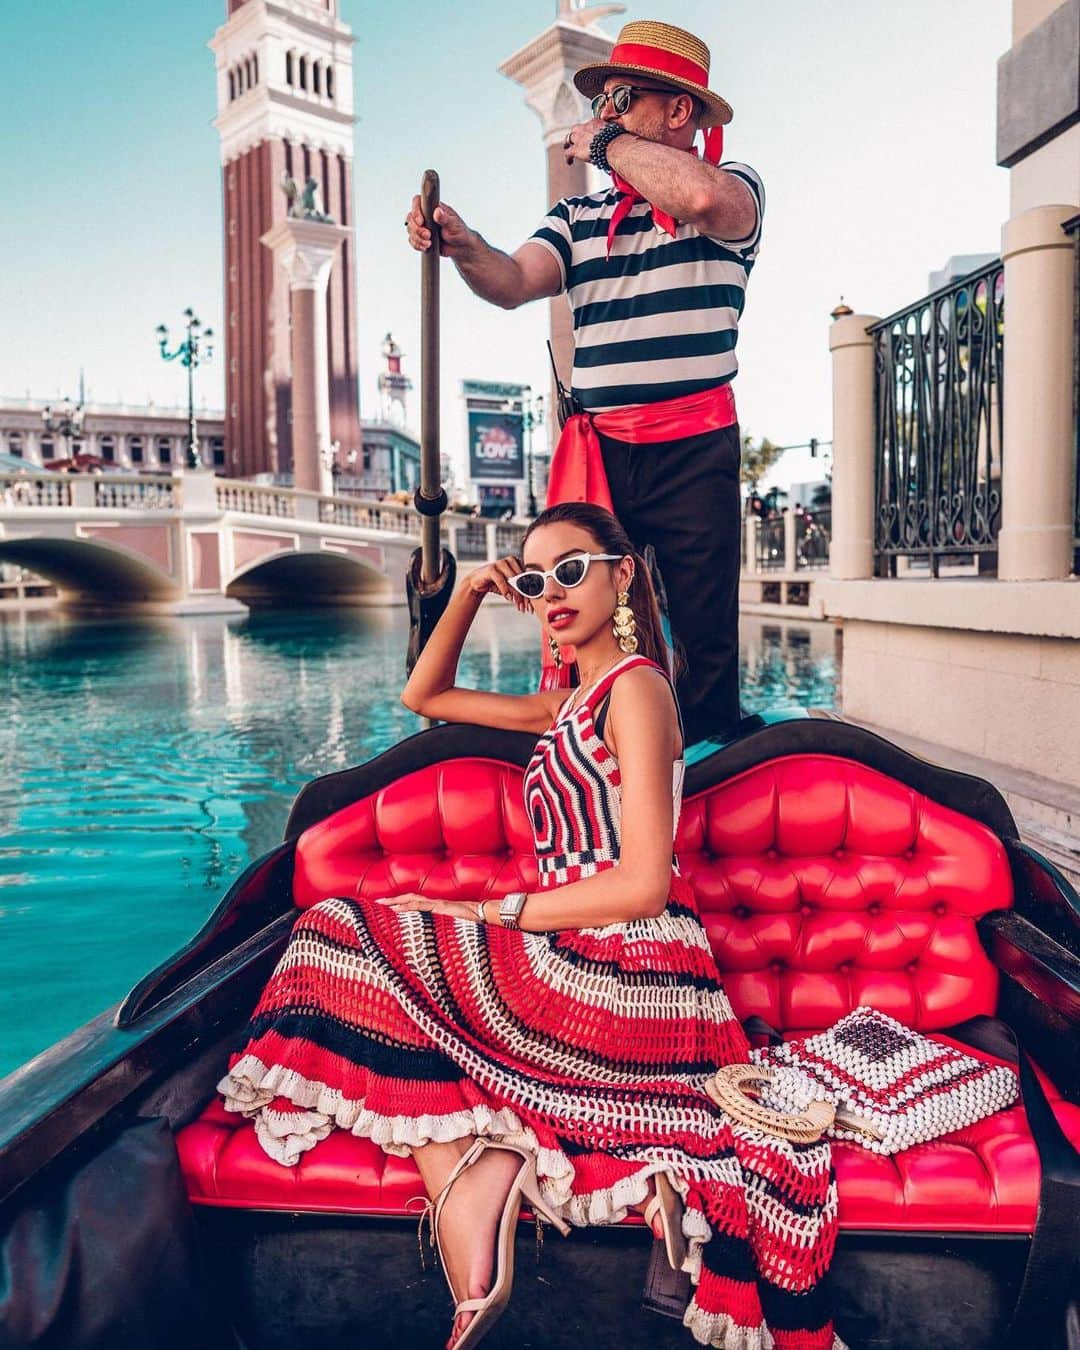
(589, 1046)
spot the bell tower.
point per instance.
(545, 69)
(284, 111)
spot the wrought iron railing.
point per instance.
(770, 544)
(813, 534)
(938, 422)
(1072, 226)
(472, 540)
(508, 539)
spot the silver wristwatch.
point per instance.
(510, 907)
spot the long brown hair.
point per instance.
(612, 538)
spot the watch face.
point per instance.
(513, 903)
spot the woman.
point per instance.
(554, 1045)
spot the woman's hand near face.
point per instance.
(432, 690)
(492, 579)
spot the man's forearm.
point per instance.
(683, 185)
(491, 274)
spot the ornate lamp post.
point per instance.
(192, 351)
(66, 420)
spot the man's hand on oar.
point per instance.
(455, 234)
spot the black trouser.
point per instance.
(683, 498)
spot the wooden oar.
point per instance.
(431, 488)
(429, 581)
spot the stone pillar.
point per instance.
(851, 553)
(790, 559)
(545, 68)
(306, 249)
(750, 526)
(1036, 539)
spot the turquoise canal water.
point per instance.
(144, 763)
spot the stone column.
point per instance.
(306, 250)
(851, 553)
(1036, 539)
(545, 68)
(790, 560)
(750, 527)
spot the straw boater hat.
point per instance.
(664, 53)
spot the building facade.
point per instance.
(130, 437)
(388, 462)
(285, 111)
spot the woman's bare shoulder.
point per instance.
(642, 697)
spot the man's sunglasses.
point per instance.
(622, 95)
(567, 572)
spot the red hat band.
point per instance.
(656, 58)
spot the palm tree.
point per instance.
(757, 460)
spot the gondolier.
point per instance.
(655, 268)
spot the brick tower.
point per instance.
(285, 107)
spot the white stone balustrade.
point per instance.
(252, 500)
(195, 543)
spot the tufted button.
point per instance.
(846, 967)
(941, 907)
(805, 909)
(875, 907)
(909, 853)
(776, 966)
(741, 912)
(772, 853)
(838, 852)
(912, 967)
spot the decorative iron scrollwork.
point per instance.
(938, 421)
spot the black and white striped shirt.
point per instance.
(658, 319)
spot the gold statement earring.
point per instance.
(556, 653)
(623, 623)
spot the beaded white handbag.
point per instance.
(891, 1086)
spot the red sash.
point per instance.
(577, 466)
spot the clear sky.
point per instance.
(871, 124)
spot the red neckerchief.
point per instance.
(714, 148)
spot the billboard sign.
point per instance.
(496, 446)
(498, 501)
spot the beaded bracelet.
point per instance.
(598, 146)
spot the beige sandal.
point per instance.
(668, 1204)
(488, 1309)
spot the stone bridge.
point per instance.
(194, 543)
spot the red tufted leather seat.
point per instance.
(822, 884)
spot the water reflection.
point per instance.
(787, 664)
(143, 763)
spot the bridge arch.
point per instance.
(322, 577)
(89, 572)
